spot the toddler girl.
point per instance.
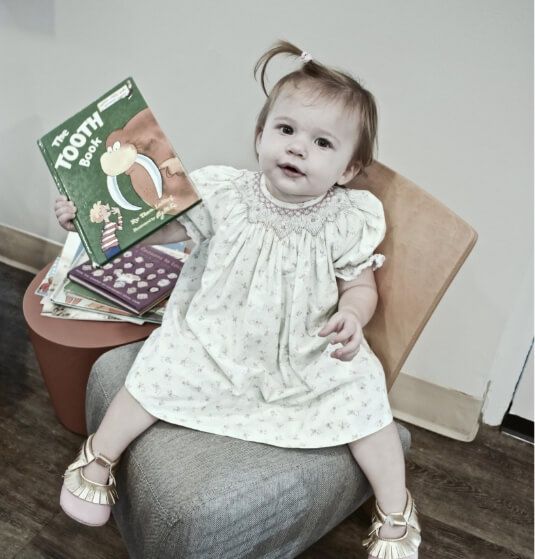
(282, 268)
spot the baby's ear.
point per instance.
(349, 174)
(257, 141)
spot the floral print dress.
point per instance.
(238, 351)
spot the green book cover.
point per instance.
(114, 162)
(76, 289)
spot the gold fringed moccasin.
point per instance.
(394, 548)
(91, 491)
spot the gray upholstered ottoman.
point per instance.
(188, 494)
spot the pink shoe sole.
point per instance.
(83, 512)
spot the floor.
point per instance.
(475, 499)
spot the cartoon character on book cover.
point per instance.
(113, 222)
(141, 151)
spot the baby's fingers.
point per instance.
(65, 213)
(65, 217)
(344, 334)
(69, 226)
(331, 326)
(62, 204)
(349, 350)
(60, 201)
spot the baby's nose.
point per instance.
(297, 148)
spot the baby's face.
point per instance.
(306, 146)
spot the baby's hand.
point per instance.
(65, 211)
(349, 333)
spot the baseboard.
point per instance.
(25, 250)
(439, 409)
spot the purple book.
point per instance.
(137, 280)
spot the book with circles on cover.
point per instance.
(113, 161)
(137, 279)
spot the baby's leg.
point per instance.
(124, 420)
(380, 456)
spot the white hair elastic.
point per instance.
(306, 57)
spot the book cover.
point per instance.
(137, 280)
(80, 304)
(114, 162)
(87, 297)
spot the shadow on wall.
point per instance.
(19, 150)
(36, 16)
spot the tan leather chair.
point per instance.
(190, 494)
(425, 246)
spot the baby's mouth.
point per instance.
(291, 170)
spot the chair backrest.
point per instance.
(425, 246)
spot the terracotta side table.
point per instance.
(66, 351)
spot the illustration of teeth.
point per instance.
(154, 174)
(152, 170)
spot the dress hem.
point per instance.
(260, 439)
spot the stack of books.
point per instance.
(133, 287)
(113, 161)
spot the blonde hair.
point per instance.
(330, 84)
(95, 214)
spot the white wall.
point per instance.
(453, 80)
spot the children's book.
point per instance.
(72, 252)
(137, 280)
(72, 301)
(113, 161)
(78, 296)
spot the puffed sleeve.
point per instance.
(215, 185)
(360, 228)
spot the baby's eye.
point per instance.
(323, 143)
(285, 129)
